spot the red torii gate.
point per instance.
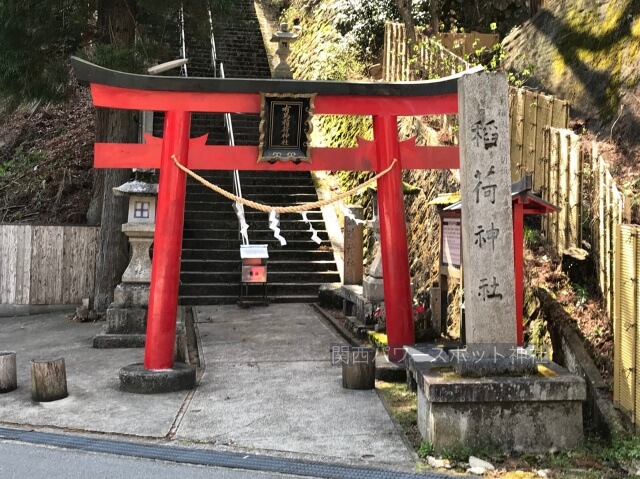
(178, 97)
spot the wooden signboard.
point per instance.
(285, 128)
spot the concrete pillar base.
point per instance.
(529, 414)
(134, 378)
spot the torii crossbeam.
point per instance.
(178, 97)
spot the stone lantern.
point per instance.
(127, 315)
(284, 38)
(139, 228)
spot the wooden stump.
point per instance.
(8, 376)
(48, 379)
(359, 368)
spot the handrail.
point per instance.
(183, 68)
(237, 189)
(214, 53)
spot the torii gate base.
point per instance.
(178, 97)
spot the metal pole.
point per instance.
(165, 270)
(393, 239)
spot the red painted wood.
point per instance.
(133, 99)
(202, 157)
(165, 271)
(393, 239)
(428, 157)
(518, 260)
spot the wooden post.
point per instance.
(436, 312)
(8, 376)
(48, 380)
(353, 237)
(359, 368)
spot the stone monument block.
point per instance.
(487, 224)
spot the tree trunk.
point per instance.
(117, 19)
(8, 375)
(48, 380)
(116, 126)
(359, 368)
(434, 16)
(405, 7)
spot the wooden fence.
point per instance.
(431, 60)
(531, 115)
(609, 209)
(626, 322)
(560, 180)
(47, 264)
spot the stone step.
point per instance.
(215, 244)
(255, 294)
(274, 255)
(216, 265)
(250, 214)
(194, 206)
(287, 223)
(232, 289)
(275, 195)
(273, 277)
(255, 235)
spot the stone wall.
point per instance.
(588, 53)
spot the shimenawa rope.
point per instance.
(281, 209)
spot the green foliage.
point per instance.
(622, 449)
(461, 453)
(36, 39)
(426, 449)
(362, 21)
(582, 294)
(531, 237)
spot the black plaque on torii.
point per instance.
(285, 127)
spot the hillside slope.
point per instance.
(46, 155)
(587, 52)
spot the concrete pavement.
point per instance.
(268, 386)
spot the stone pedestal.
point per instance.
(140, 238)
(126, 318)
(525, 414)
(373, 284)
(127, 315)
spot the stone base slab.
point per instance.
(389, 371)
(373, 289)
(350, 299)
(126, 320)
(113, 341)
(524, 414)
(134, 378)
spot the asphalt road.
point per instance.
(20, 461)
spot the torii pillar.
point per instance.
(159, 372)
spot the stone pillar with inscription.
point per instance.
(487, 229)
(353, 238)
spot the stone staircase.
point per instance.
(211, 266)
